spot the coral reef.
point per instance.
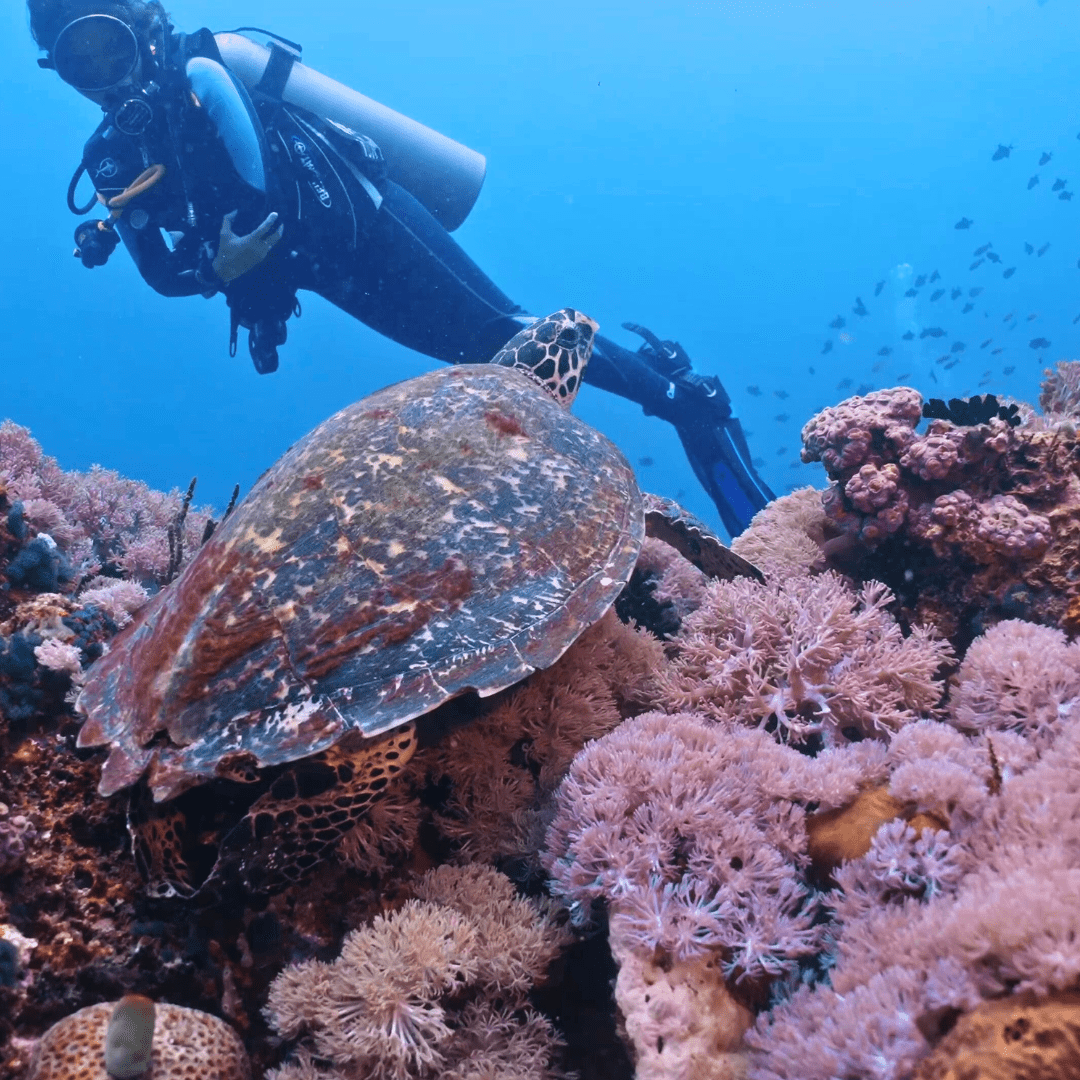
(967, 522)
(186, 1043)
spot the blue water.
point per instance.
(730, 174)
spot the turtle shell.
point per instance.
(453, 532)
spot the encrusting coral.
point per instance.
(438, 987)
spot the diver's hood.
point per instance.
(442, 174)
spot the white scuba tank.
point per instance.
(442, 174)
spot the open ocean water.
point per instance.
(734, 175)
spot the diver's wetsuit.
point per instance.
(359, 240)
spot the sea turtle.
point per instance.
(452, 532)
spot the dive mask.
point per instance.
(95, 53)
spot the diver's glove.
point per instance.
(94, 242)
(237, 255)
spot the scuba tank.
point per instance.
(442, 174)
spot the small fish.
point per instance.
(952, 363)
(1033, 182)
(966, 308)
(996, 352)
(1033, 316)
(1059, 184)
(976, 264)
(781, 394)
(1066, 196)
(1043, 250)
(781, 451)
(986, 342)
(758, 462)
(794, 463)
(920, 281)
(912, 292)
(975, 292)
(812, 371)
(993, 256)
(645, 462)
(1002, 152)
(942, 358)
(932, 375)
(904, 375)
(1008, 370)
(955, 293)
(782, 418)
(964, 223)
(1045, 159)
(860, 307)
(909, 336)
(838, 322)
(1038, 343)
(864, 388)
(884, 351)
(1028, 248)
(1009, 316)
(879, 366)
(827, 347)
(986, 380)
(932, 331)
(934, 277)
(1009, 273)
(1077, 319)
(878, 287)
(754, 391)
(843, 384)
(982, 250)
(937, 294)
(957, 347)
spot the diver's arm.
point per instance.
(182, 271)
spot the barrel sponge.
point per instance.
(188, 1045)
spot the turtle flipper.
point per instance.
(666, 520)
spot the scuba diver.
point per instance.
(230, 167)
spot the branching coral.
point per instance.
(807, 653)
(437, 987)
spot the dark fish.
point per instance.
(1038, 343)
(864, 388)
(993, 256)
(957, 346)
(827, 347)
(986, 342)
(878, 287)
(884, 351)
(838, 322)
(1077, 319)
(1032, 182)
(860, 307)
(781, 451)
(1009, 316)
(645, 461)
(1034, 315)
(1001, 152)
(782, 418)
(754, 391)
(843, 384)
(909, 336)
(879, 366)
(955, 293)
(937, 294)
(1059, 184)
(920, 281)
(964, 223)
(952, 363)
(982, 250)
(781, 394)
(812, 371)
(1008, 370)
(976, 264)
(1066, 196)
(942, 358)
(932, 331)
(996, 352)
(934, 277)
(967, 307)
(1009, 273)
(932, 375)
(1043, 250)
(1045, 159)
(1028, 248)
(758, 462)
(904, 375)
(912, 292)
(975, 292)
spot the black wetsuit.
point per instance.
(369, 247)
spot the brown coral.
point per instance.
(188, 1045)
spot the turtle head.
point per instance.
(553, 351)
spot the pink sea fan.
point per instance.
(1020, 677)
(117, 598)
(673, 821)
(808, 652)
